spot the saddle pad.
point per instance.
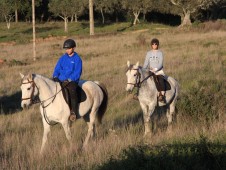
(80, 93)
(161, 86)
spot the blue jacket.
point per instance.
(68, 68)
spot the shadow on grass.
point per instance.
(129, 120)
(189, 156)
(124, 28)
(10, 104)
(158, 119)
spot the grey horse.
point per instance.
(137, 77)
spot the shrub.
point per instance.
(203, 101)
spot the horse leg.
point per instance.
(45, 135)
(67, 131)
(146, 118)
(91, 128)
(170, 113)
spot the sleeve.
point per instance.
(146, 62)
(57, 68)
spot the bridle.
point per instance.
(138, 77)
(33, 90)
(41, 102)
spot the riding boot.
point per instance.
(73, 100)
(161, 84)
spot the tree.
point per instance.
(63, 9)
(187, 7)
(6, 11)
(117, 8)
(91, 17)
(134, 7)
(78, 8)
(104, 6)
(33, 25)
(214, 8)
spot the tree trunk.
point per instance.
(187, 19)
(65, 24)
(91, 17)
(33, 25)
(76, 18)
(16, 16)
(136, 19)
(102, 14)
(144, 16)
(7, 20)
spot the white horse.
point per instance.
(136, 77)
(54, 108)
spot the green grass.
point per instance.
(198, 155)
(22, 32)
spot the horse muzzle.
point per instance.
(25, 105)
(129, 89)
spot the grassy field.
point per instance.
(195, 57)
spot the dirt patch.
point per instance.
(49, 38)
(8, 43)
(139, 31)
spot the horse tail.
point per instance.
(103, 107)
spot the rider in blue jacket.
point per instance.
(68, 71)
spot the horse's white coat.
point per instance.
(148, 94)
(57, 110)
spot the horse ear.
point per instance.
(21, 75)
(30, 77)
(137, 64)
(128, 63)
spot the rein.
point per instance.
(41, 102)
(32, 95)
(138, 82)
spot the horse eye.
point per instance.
(135, 74)
(28, 88)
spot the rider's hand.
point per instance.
(56, 79)
(65, 82)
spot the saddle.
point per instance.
(80, 93)
(161, 83)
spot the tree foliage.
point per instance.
(64, 9)
(188, 10)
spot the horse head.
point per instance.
(133, 76)
(29, 90)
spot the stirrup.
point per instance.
(72, 117)
(161, 98)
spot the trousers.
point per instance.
(73, 96)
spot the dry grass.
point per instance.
(104, 59)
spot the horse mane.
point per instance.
(46, 79)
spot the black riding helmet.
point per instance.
(155, 41)
(69, 43)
